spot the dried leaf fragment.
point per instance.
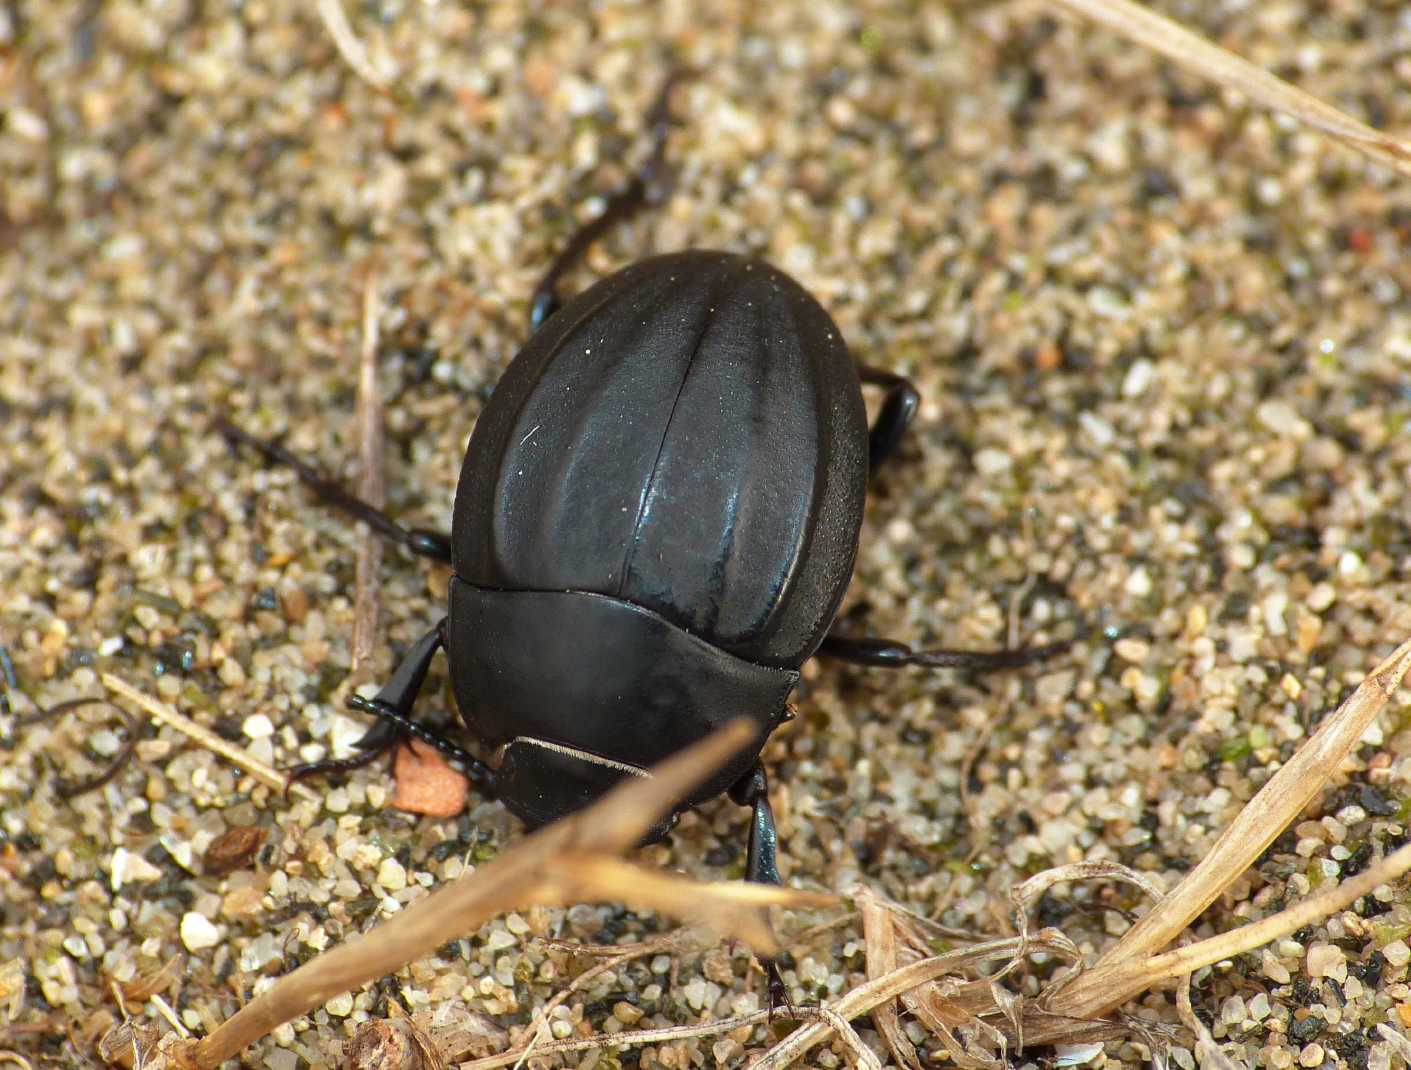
(233, 849)
(426, 782)
(392, 1044)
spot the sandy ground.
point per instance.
(1163, 341)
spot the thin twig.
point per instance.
(967, 764)
(372, 485)
(1204, 58)
(335, 20)
(630, 1038)
(267, 775)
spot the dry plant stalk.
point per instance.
(1202, 57)
(879, 936)
(568, 861)
(1256, 826)
(977, 1018)
(372, 486)
(266, 774)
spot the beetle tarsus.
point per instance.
(762, 868)
(898, 409)
(891, 654)
(332, 766)
(392, 706)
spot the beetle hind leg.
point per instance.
(762, 868)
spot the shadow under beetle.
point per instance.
(656, 520)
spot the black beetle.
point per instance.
(656, 520)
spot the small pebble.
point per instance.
(499, 940)
(1326, 960)
(127, 867)
(1233, 1011)
(197, 932)
(392, 875)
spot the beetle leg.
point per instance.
(890, 654)
(897, 411)
(419, 541)
(641, 190)
(752, 789)
(392, 706)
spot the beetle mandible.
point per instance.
(656, 520)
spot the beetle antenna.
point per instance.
(476, 771)
(419, 541)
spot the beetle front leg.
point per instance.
(890, 654)
(392, 706)
(752, 790)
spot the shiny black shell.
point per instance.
(687, 435)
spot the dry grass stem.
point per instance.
(558, 864)
(803, 936)
(866, 997)
(626, 1039)
(1255, 827)
(879, 935)
(862, 1056)
(1202, 57)
(372, 484)
(637, 1038)
(731, 907)
(1024, 896)
(354, 53)
(267, 775)
(1211, 1057)
(1124, 979)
